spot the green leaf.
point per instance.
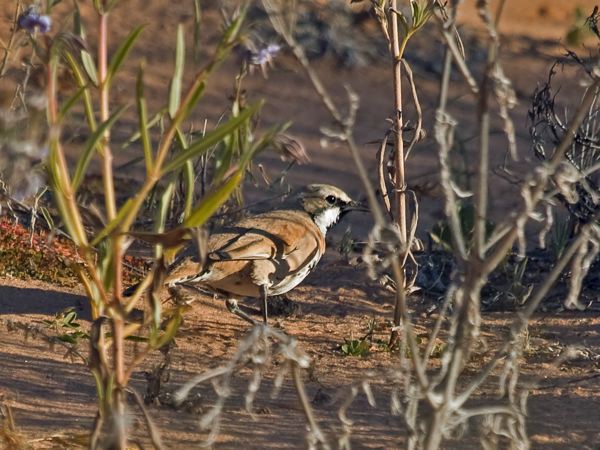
(188, 175)
(143, 120)
(59, 180)
(162, 212)
(89, 66)
(355, 347)
(224, 157)
(175, 87)
(90, 145)
(86, 59)
(68, 338)
(404, 27)
(105, 263)
(210, 139)
(197, 29)
(134, 338)
(47, 217)
(82, 83)
(117, 60)
(415, 11)
(100, 393)
(213, 201)
(421, 13)
(69, 319)
(230, 35)
(77, 25)
(228, 39)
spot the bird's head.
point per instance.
(326, 204)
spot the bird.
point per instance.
(265, 254)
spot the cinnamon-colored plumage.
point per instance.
(265, 254)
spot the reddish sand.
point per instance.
(52, 397)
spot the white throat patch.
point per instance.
(327, 218)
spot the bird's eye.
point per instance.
(330, 199)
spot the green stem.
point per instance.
(107, 157)
(118, 406)
(118, 410)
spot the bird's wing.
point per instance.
(245, 244)
(276, 236)
(287, 238)
(239, 243)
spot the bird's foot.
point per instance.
(233, 307)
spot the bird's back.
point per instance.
(278, 248)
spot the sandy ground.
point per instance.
(51, 395)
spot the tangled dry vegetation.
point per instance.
(82, 229)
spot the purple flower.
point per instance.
(264, 55)
(30, 20)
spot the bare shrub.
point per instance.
(434, 401)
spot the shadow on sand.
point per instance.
(17, 300)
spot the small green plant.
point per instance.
(438, 349)
(355, 347)
(580, 28)
(346, 244)
(66, 325)
(362, 347)
(560, 235)
(510, 289)
(441, 233)
(385, 347)
(168, 154)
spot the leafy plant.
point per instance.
(441, 233)
(355, 347)
(65, 323)
(580, 28)
(362, 347)
(560, 235)
(512, 290)
(168, 155)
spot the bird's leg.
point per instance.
(264, 293)
(233, 307)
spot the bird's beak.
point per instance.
(355, 206)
